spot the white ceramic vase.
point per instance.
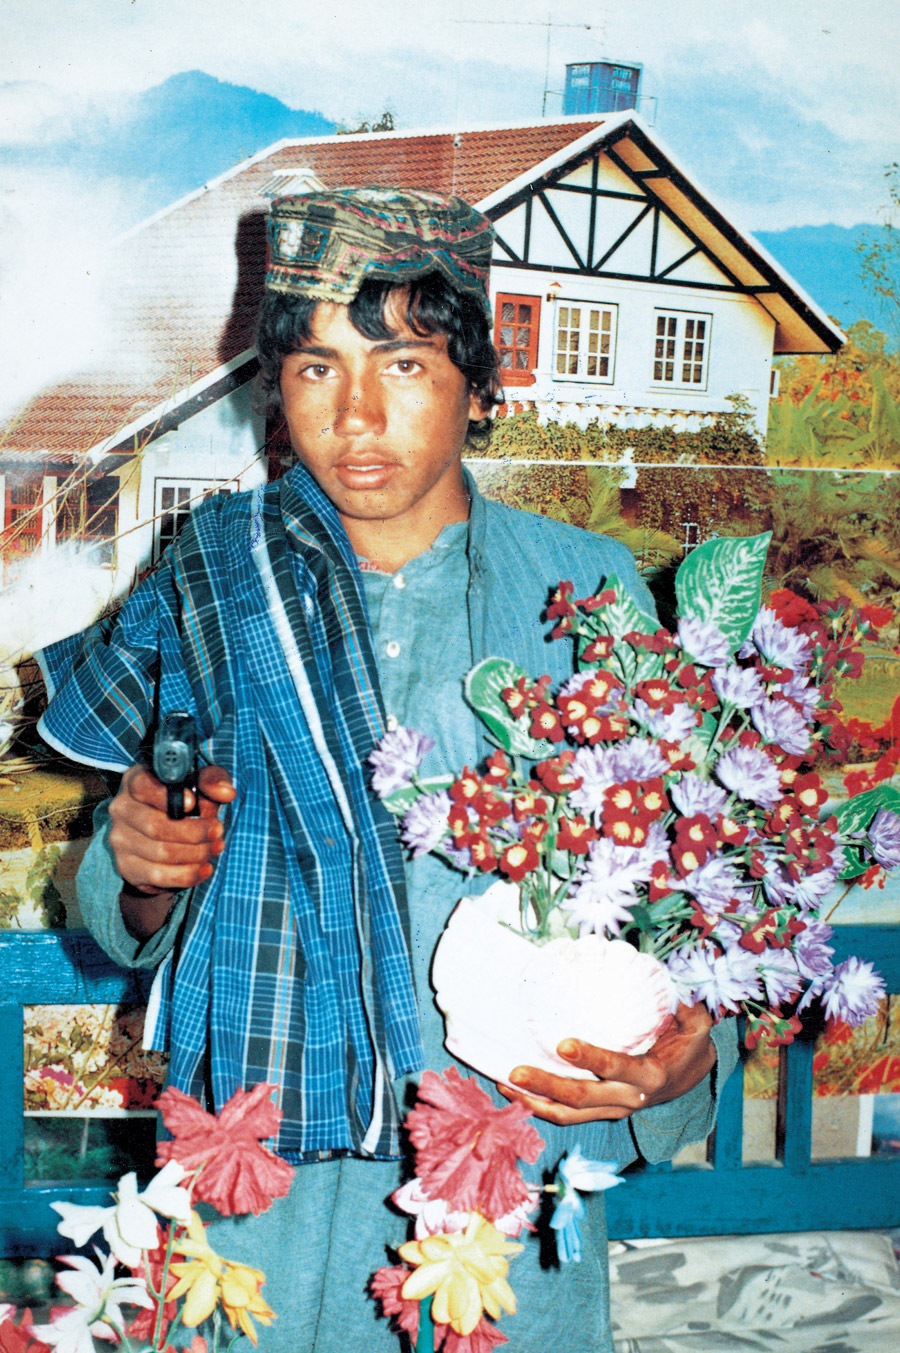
(507, 1002)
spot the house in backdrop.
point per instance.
(620, 292)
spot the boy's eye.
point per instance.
(405, 365)
(316, 371)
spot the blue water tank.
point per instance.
(601, 87)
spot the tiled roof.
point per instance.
(180, 293)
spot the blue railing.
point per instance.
(722, 1197)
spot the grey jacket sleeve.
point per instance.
(662, 1130)
(98, 885)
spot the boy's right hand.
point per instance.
(157, 855)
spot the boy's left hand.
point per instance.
(681, 1057)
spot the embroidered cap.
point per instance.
(326, 244)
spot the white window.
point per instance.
(681, 350)
(585, 341)
(174, 500)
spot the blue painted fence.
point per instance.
(720, 1198)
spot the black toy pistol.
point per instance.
(175, 758)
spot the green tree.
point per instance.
(879, 254)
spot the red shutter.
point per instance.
(516, 337)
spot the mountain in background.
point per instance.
(192, 127)
(825, 261)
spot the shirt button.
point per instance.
(399, 581)
(393, 723)
(392, 649)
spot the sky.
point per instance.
(785, 111)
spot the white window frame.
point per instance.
(188, 494)
(582, 351)
(676, 346)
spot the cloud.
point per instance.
(787, 111)
(32, 114)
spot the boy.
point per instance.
(295, 623)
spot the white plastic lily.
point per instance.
(98, 1295)
(129, 1226)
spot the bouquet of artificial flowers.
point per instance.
(214, 1159)
(659, 816)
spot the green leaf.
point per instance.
(721, 581)
(620, 617)
(482, 690)
(856, 816)
(398, 802)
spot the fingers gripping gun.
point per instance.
(175, 758)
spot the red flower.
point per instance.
(658, 694)
(385, 1285)
(877, 616)
(731, 833)
(527, 804)
(518, 860)
(810, 792)
(791, 609)
(466, 787)
(516, 697)
(466, 1147)
(489, 807)
(555, 774)
(598, 650)
(483, 1338)
(575, 834)
(17, 1338)
(605, 598)
(676, 757)
(482, 852)
(239, 1174)
(460, 825)
(659, 885)
(498, 769)
(545, 723)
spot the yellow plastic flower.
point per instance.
(209, 1280)
(465, 1271)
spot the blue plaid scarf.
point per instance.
(293, 966)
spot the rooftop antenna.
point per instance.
(549, 23)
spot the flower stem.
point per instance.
(425, 1338)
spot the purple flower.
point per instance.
(738, 686)
(606, 888)
(715, 883)
(777, 642)
(673, 727)
(780, 975)
(807, 893)
(884, 838)
(594, 766)
(749, 772)
(638, 759)
(779, 722)
(397, 758)
(852, 992)
(723, 982)
(812, 950)
(694, 795)
(800, 690)
(703, 641)
(425, 823)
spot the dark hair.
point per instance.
(433, 306)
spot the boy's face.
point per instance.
(380, 424)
